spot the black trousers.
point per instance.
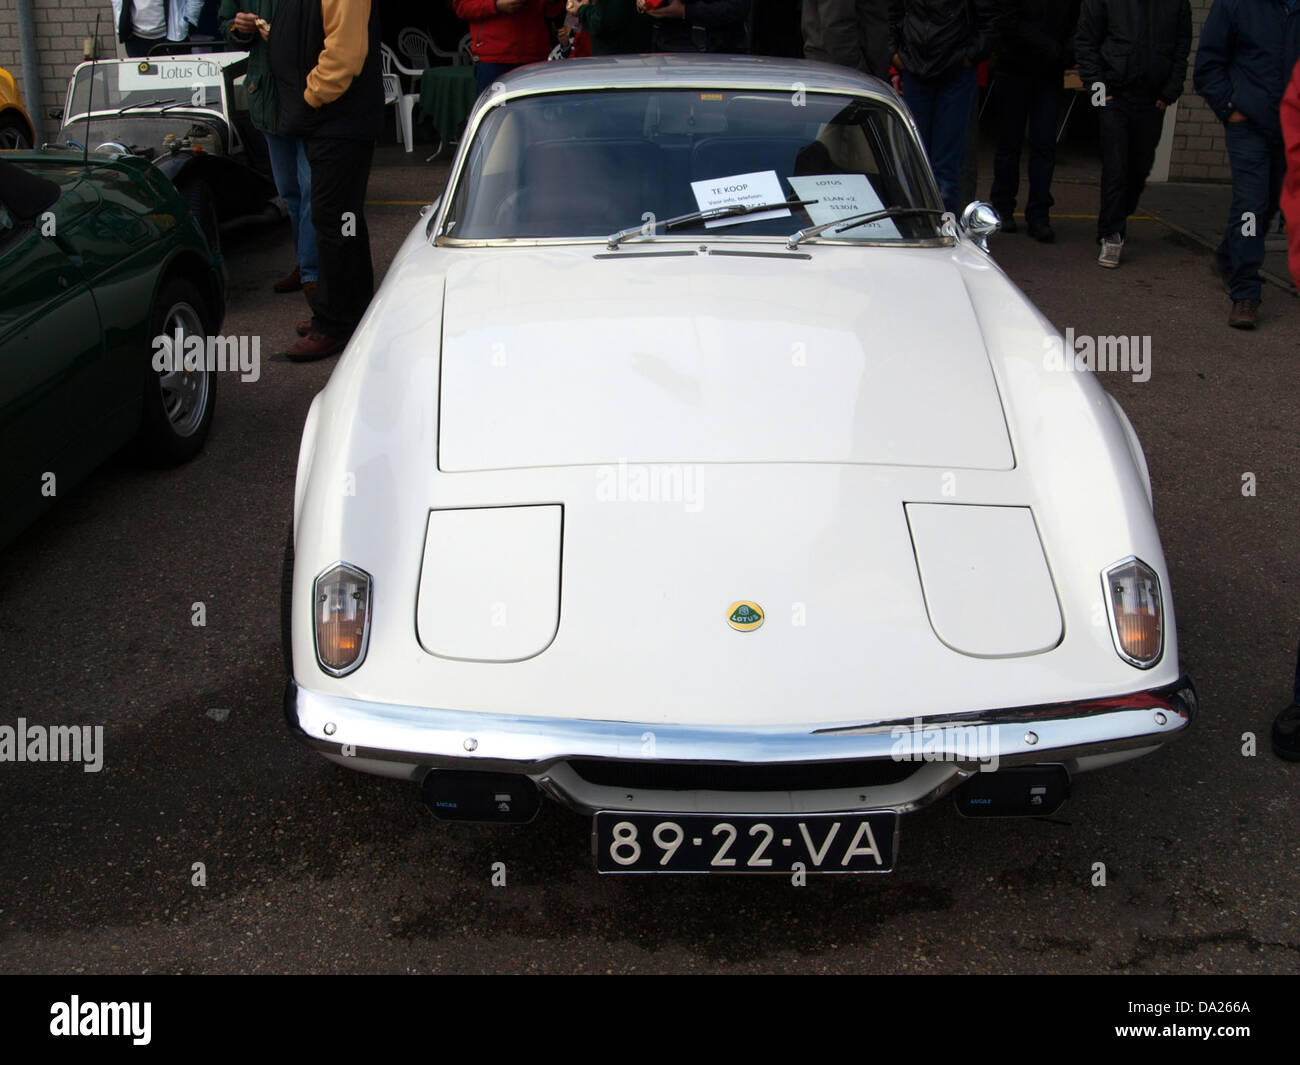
(1130, 131)
(1025, 102)
(340, 171)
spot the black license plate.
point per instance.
(745, 843)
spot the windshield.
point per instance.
(189, 81)
(591, 164)
(150, 134)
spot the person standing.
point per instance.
(1133, 62)
(324, 56)
(698, 25)
(936, 45)
(852, 33)
(208, 27)
(1247, 52)
(1286, 726)
(505, 34)
(141, 24)
(614, 26)
(1290, 198)
(238, 22)
(1031, 63)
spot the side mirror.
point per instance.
(981, 221)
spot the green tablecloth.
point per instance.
(446, 96)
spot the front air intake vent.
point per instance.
(699, 776)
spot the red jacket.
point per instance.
(520, 37)
(1291, 183)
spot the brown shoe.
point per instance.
(315, 346)
(308, 290)
(289, 283)
(1243, 314)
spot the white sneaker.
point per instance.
(1110, 248)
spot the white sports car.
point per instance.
(692, 468)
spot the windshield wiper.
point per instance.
(732, 211)
(854, 220)
(142, 103)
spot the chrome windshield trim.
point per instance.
(515, 743)
(517, 85)
(942, 241)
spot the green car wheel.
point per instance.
(178, 401)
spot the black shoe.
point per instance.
(1008, 220)
(1286, 733)
(1041, 232)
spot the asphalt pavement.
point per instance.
(311, 867)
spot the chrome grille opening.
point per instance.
(702, 776)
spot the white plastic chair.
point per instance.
(404, 102)
(420, 48)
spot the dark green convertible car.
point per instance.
(97, 259)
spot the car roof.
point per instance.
(691, 70)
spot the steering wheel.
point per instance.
(508, 208)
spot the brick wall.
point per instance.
(1198, 151)
(61, 26)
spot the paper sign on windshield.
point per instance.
(842, 196)
(168, 75)
(762, 186)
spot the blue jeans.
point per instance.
(486, 73)
(1258, 162)
(942, 111)
(293, 183)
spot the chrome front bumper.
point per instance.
(406, 741)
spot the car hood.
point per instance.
(874, 356)
(573, 554)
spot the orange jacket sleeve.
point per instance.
(347, 39)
